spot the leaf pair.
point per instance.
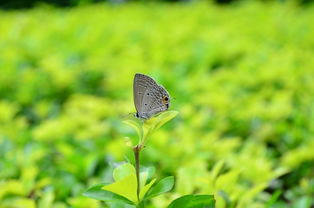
(145, 127)
(124, 189)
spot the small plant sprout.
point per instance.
(131, 187)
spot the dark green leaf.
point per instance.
(161, 187)
(194, 201)
(96, 192)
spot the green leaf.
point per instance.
(149, 170)
(96, 192)
(120, 205)
(146, 188)
(216, 169)
(223, 181)
(146, 173)
(146, 127)
(123, 171)
(143, 178)
(136, 124)
(126, 187)
(194, 201)
(125, 184)
(156, 122)
(165, 117)
(249, 195)
(161, 187)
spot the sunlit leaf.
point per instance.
(194, 201)
(149, 170)
(165, 117)
(18, 202)
(156, 122)
(143, 178)
(123, 171)
(47, 199)
(250, 194)
(146, 188)
(136, 124)
(97, 192)
(217, 168)
(126, 187)
(145, 127)
(223, 181)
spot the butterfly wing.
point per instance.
(149, 97)
(159, 102)
(155, 99)
(139, 87)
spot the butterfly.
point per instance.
(150, 98)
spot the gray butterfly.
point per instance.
(149, 97)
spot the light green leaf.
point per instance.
(223, 181)
(146, 173)
(161, 187)
(250, 194)
(47, 199)
(156, 122)
(136, 124)
(143, 178)
(123, 171)
(165, 117)
(149, 170)
(96, 192)
(146, 188)
(126, 187)
(194, 201)
(218, 166)
(145, 127)
(18, 202)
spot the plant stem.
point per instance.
(136, 151)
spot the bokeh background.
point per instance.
(241, 75)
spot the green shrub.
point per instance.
(241, 77)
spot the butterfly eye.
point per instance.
(165, 100)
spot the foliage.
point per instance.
(130, 182)
(20, 4)
(241, 77)
(193, 201)
(123, 191)
(145, 129)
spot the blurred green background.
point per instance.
(241, 76)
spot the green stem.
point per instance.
(136, 151)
